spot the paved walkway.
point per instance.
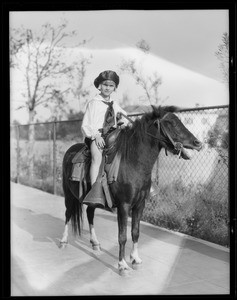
(173, 263)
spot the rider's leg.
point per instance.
(96, 158)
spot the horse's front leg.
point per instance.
(136, 217)
(90, 211)
(122, 214)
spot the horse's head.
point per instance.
(174, 136)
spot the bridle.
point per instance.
(177, 145)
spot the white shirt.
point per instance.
(93, 119)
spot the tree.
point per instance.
(218, 136)
(142, 45)
(77, 79)
(70, 129)
(222, 55)
(150, 84)
(40, 57)
(16, 43)
(60, 110)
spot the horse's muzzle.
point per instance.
(197, 145)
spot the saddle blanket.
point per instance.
(80, 169)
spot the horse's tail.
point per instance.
(77, 216)
(73, 204)
(74, 207)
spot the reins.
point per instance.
(126, 117)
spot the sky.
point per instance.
(185, 38)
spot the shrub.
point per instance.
(197, 210)
(42, 167)
(45, 185)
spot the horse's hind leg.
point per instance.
(68, 200)
(136, 217)
(122, 214)
(64, 240)
(90, 211)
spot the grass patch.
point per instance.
(197, 210)
(43, 185)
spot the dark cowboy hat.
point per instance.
(106, 75)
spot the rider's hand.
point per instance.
(100, 143)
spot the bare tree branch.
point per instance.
(43, 61)
(222, 55)
(150, 84)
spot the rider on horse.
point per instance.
(101, 118)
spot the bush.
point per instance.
(45, 185)
(42, 167)
(200, 211)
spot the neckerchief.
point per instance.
(109, 117)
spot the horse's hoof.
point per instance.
(62, 245)
(95, 247)
(136, 262)
(124, 269)
(136, 266)
(125, 272)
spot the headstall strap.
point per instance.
(177, 145)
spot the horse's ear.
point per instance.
(160, 111)
(166, 109)
(157, 123)
(156, 110)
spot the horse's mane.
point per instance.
(131, 137)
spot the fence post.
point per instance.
(157, 171)
(50, 149)
(17, 154)
(54, 159)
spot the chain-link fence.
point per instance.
(39, 164)
(192, 194)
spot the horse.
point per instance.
(139, 145)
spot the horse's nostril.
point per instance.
(197, 143)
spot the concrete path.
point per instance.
(173, 263)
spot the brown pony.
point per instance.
(139, 146)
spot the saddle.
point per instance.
(84, 154)
(109, 168)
